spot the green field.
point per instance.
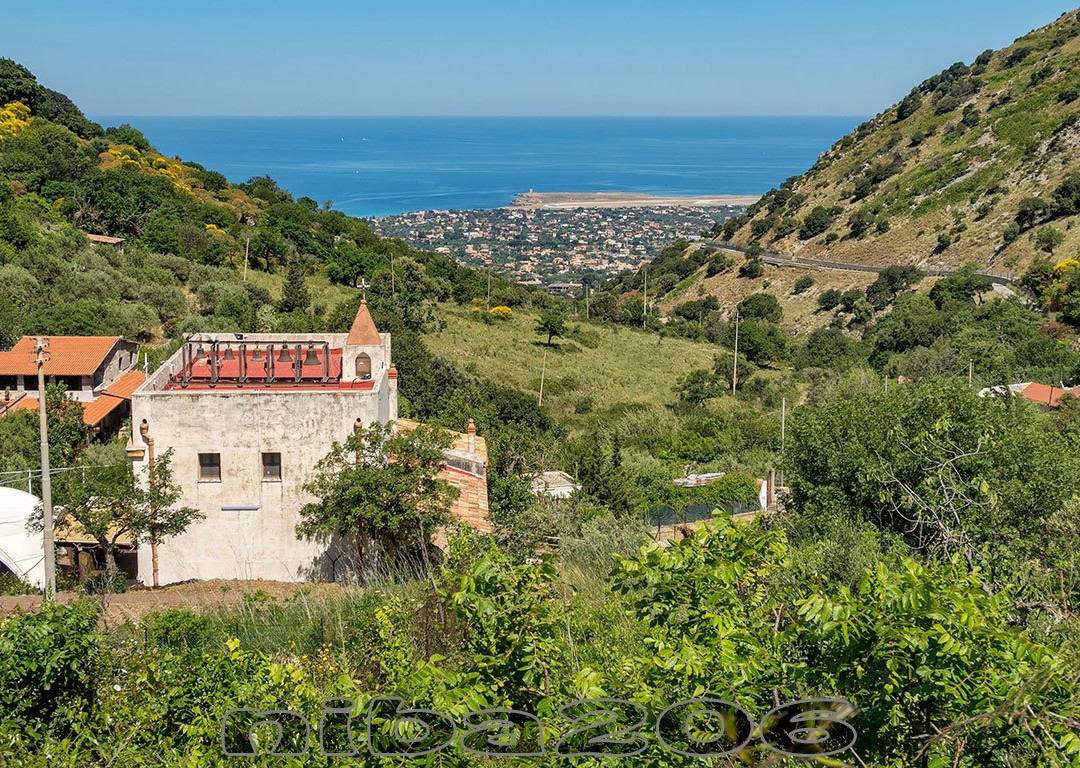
(611, 365)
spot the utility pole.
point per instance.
(645, 301)
(489, 292)
(41, 350)
(543, 372)
(783, 436)
(586, 301)
(144, 431)
(247, 250)
(735, 362)
(971, 372)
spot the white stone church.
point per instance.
(247, 417)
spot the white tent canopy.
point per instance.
(20, 550)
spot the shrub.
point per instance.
(830, 299)
(761, 306)
(753, 268)
(721, 262)
(816, 222)
(48, 662)
(1048, 238)
(501, 312)
(179, 629)
(732, 487)
(802, 285)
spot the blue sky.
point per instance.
(514, 57)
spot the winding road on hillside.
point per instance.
(1003, 283)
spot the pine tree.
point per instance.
(295, 296)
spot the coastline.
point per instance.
(567, 200)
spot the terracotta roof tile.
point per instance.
(68, 356)
(1044, 394)
(95, 412)
(363, 332)
(126, 385)
(18, 402)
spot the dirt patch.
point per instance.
(196, 595)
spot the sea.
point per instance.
(379, 166)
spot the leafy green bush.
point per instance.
(178, 629)
(47, 669)
(761, 306)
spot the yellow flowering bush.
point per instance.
(501, 312)
(13, 118)
(1063, 268)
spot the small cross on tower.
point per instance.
(363, 286)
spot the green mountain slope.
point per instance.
(978, 163)
(201, 254)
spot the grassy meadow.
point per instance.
(594, 369)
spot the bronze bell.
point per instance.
(312, 357)
(284, 356)
(257, 355)
(229, 354)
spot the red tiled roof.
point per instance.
(126, 385)
(68, 356)
(113, 397)
(1047, 395)
(18, 402)
(95, 412)
(363, 332)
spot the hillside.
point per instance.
(199, 253)
(977, 164)
(594, 369)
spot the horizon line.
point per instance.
(487, 117)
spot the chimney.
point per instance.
(472, 436)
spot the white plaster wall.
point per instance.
(241, 425)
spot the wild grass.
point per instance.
(615, 367)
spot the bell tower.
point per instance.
(365, 354)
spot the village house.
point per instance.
(1042, 395)
(98, 371)
(247, 418)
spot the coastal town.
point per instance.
(554, 246)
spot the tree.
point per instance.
(890, 283)
(381, 489)
(103, 501)
(909, 105)
(762, 342)
(551, 323)
(816, 222)
(295, 296)
(156, 516)
(699, 385)
(1049, 238)
(829, 299)
(952, 473)
(961, 287)
(761, 306)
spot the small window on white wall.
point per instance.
(271, 466)
(210, 467)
